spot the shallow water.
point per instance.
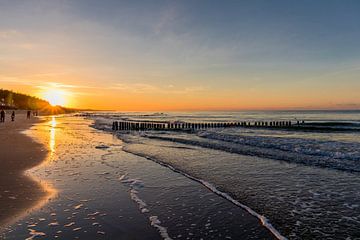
(101, 192)
(300, 201)
(305, 182)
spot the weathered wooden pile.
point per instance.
(138, 125)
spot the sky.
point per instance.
(165, 55)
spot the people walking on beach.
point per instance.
(13, 116)
(2, 115)
(28, 115)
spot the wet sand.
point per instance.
(19, 193)
(104, 192)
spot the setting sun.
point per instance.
(55, 97)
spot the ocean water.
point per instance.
(305, 182)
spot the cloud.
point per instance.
(25, 46)
(167, 18)
(136, 87)
(47, 85)
(148, 88)
(335, 73)
(348, 105)
(15, 80)
(4, 34)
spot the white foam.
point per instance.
(122, 177)
(135, 185)
(264, 221)
(142, 205)
(35, 234)
(154, 220)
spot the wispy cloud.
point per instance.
(15, 80)
(351, 105)
(4, 34)
(336, 73)
(136, 87)
(167, 18)
(62, 85)
(148, 88)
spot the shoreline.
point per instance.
(19, 192)
(262, 219)
(107, 193)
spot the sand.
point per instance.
(104, 192)
(19, 193)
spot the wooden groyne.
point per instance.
(146, 125)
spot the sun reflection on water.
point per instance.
(52, 135)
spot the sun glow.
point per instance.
(55, 97)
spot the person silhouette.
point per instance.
(28, 115)
(13, 116)
(2, 115)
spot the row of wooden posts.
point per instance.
(133, 125)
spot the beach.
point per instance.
(180, 120)
(226, 183)
(19, 193)
(103, 192)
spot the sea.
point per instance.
(301, 183)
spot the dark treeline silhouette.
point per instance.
(19, 101)
(13, 100)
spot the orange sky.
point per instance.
(160, 57)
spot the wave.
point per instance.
(264, 221)
(338, 155)
(329, 126)
(272, 151)
(314, 147)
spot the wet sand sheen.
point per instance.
(106, 193)
(19, 193)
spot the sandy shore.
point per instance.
(103, 192)
(18, 193)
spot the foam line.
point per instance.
(264, 221)
(135, 185)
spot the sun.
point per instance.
(55, 97)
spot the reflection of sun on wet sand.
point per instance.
(19, 193)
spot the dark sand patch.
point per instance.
(18, 193)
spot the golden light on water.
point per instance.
(52, 142)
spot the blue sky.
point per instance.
(305, 53)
